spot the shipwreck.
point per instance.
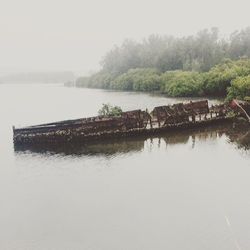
(180, 116)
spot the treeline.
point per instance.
(230, 78)
(189, 66)
(165, 53)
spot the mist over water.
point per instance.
(74, 35)
(179, 191)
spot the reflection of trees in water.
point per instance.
(239, 135)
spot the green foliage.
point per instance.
(228, 75)
(240, 88)
(98, 80)
(182, 83)
(138, 80)
(231, 114)
(219, 78)
(160, 63)
(108, 110)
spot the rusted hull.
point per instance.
(71, 137)
(179, 116)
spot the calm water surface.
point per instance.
(186, 191)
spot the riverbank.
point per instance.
(228, 80)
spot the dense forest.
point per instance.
(199, 65)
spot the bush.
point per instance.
(138, 80)
(97, 80)
(182, 83)
(175, 83)
(240, 89)
(219, 78)
(108, 110)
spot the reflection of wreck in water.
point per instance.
(204, 134)
(244, 141)
(97, 148)
(238, 136)
(181, 117)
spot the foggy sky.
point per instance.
(75, 34)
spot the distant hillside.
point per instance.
(38, 77)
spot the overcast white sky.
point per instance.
(74, 34)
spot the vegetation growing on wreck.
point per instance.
(201, 65)
(109, 110)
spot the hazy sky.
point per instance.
(75, 34)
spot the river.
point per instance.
(184, 191)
